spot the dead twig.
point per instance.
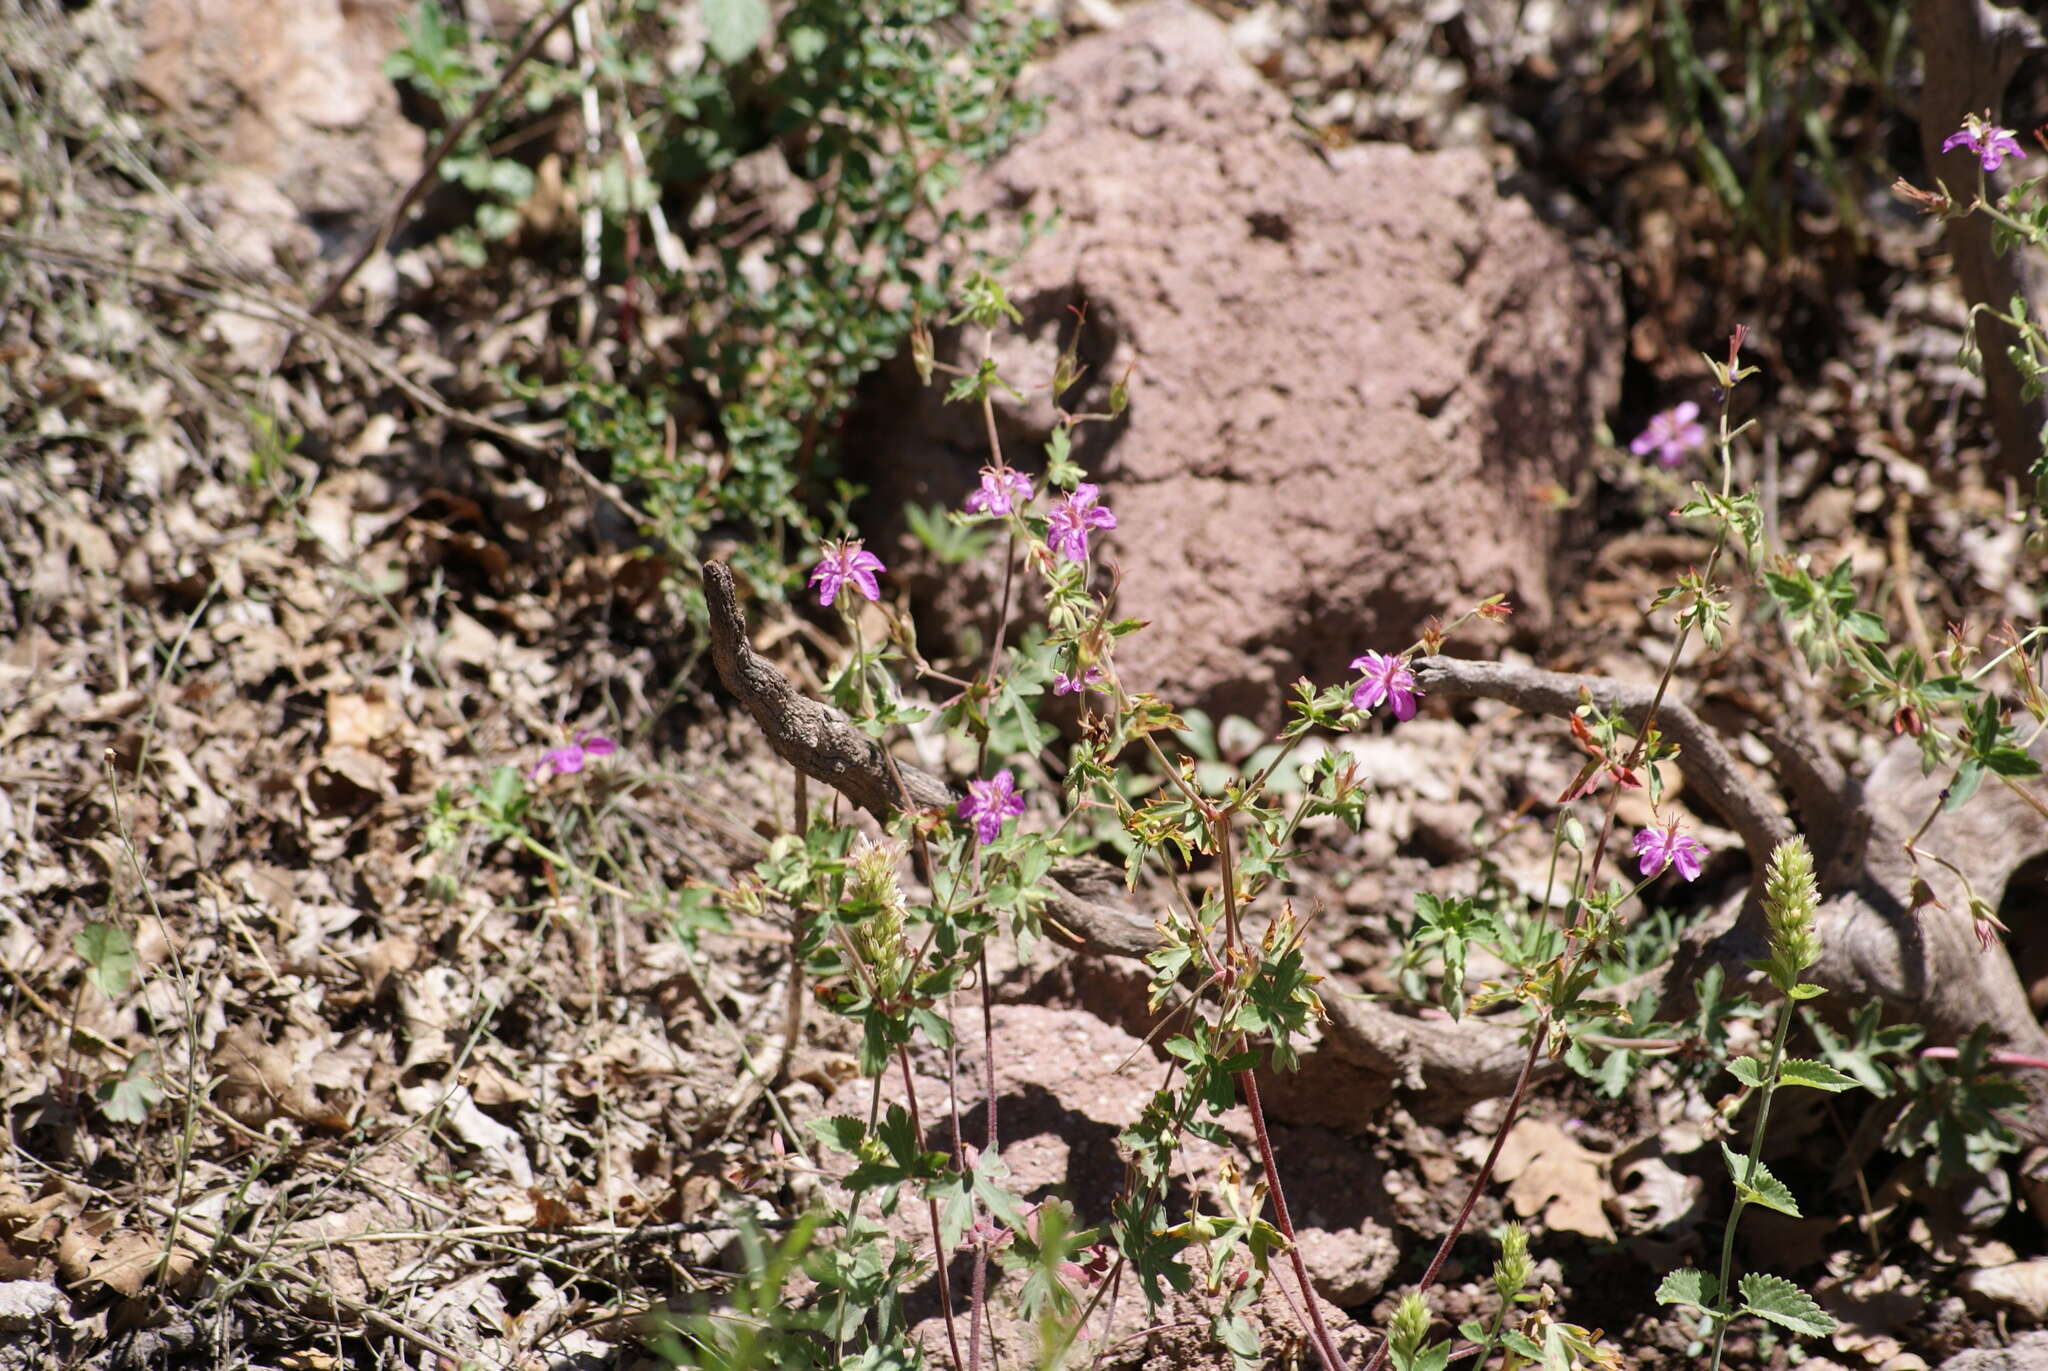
(239, 298)
(369, 1314)
(429, 173)
(1702, 757)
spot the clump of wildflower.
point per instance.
(990, 804)
(1991, 143)
(1002, 490)
(1071, 520)
(843, 562)
(1063, 684)
(1791, 900)
(562, 761)
(1666, 846)
(1386, 678)
(1672, 435)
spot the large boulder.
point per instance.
(291, 97)
(1358, 373)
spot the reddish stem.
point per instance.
(1500, 1137)
(977, 1313)
(1948, 1054)
(939, 1253)
(1326, 1346)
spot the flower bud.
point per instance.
(1791, 900)
(1511, 1273)
(873, 908)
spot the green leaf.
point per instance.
(1969, 775)
(1688, 1286)
(129, 1097)
(1814, 1075)
(734, 28)
(109, 954)
(1762, 1187)
(841, 1132)
(1782, 1302)
(1748, 1070)
(2007, 760)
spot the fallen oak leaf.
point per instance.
(1548, 1172)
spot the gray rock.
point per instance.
(24, 1303)
(1355, 371)
(2027, 1352)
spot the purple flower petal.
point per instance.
(1650, 847)
(990, 804)
(1671, 435)
(1063, 684)
(1386, 679)
(843, 562)
(1068, 525)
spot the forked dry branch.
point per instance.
(1926, 964)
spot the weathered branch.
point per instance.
(1705, 762)
(814, 738)
(1922, 959)
(1369, 1050)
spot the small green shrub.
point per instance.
(877, 106)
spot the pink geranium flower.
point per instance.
(1661, 847)
(1063, 684)
(563, 761)
(1071, 520)
(1671, 435)
(1386, 679)
(843, 562)
(990, 804)
(1991, 143)
(1002, 490)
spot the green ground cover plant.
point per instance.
(878, 108)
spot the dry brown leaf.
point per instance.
(385, 958)
(265, 1079)
(123, 1261)
(2021, 1287)
(1868, 1305)
(1653, 1196)
(1550, 1173)
(361, 720)
(493, 1142)
(29, 1230)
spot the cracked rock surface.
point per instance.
(1354, 371)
